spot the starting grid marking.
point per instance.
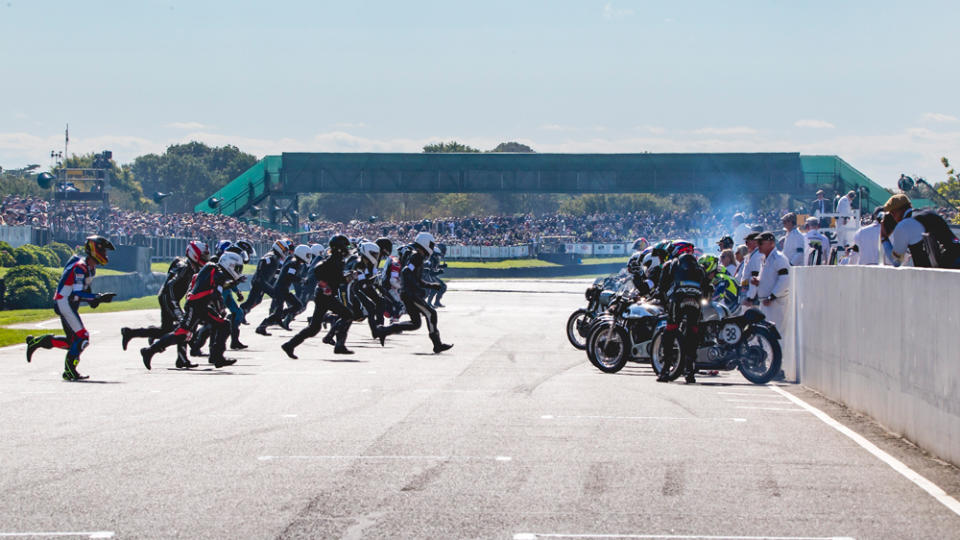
(598, 417)
(82, 534)
(534, 536)
(387, 458)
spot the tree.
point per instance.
(513, 147)
(191, 172)
(450, 147)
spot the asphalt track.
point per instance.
(512, 435)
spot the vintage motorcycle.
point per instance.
(623, 333)
(598, 298)
(747, 342)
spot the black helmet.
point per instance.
(385, 245)
(247, 247)
(442, 248)
(340, 243)
(96, 248)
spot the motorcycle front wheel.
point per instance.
(578, 326)
(658, 354)
(761, 356)
(609, 351)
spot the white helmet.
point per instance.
(232, 264)
(370, 251)
(198, 252)
(426, 241)
(280, 248)
(316, 250)
(302, 252)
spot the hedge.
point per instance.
(29, 287)
(43, 256)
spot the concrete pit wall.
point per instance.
(885, 342)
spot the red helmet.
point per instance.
(198, 252)
(680, 247)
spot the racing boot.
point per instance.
(690, 378)
(220, 361)
(439, 346)
(236, 345)
(70, 372)
(262, 330)
(288, 348)
(125, 337)
(182, 361)
(34, 343)
(147, 354)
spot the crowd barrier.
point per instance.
(16, 235)
(884, 342)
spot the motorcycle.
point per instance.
(623, 333)
(598, 298)
(746, 342)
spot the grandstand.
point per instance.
(270, 189)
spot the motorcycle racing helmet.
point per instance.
(96, 248)
(426, 241)
(640, 244)
(709, 263)
(232, 264)
(385, 245)
(198, 253)
(679, 247)
(340, 245)
(239, 251)
(370, 251)
(222, 246)
(302, 252)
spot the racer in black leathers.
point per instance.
(682, 287)
(433, 267)
(262, 281)
(329, 275)
(413, 296)
(290, 274)
(179, 276)
(204, 305)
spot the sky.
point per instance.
(873, 82)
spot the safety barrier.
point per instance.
(884, 342)
(16, 235)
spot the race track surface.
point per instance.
(512, 434)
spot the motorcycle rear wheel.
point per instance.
(769, 357)
(609, 353)
(578, 327)
(657, 354)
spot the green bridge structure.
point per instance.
(270, 190)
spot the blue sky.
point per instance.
(873, 82)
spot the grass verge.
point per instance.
(20, 316)
(509, 263)
(14, 336)
(604, 260)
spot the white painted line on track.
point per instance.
(934, 490)
(756, 394)
(775, 401)
(534, 536)
(385, 458)
(591, 417)
(768, 408)
(87, 534)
